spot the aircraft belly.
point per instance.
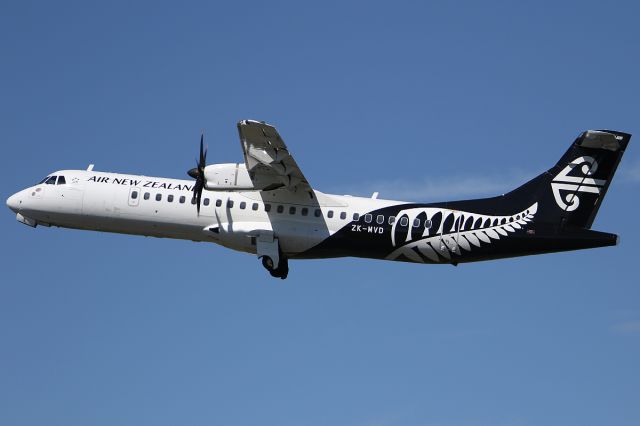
(293, 237)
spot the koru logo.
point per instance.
(571, 182)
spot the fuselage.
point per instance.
(267, 207)
(308, 224)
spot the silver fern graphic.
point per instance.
(464, 231)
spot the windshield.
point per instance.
(51, 180)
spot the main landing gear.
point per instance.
(268, 249)
(281, 271)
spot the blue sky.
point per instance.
(430, 101)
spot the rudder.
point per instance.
(571, 192)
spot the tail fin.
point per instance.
(570, 193)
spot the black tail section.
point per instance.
(551, 213)
(569, 194)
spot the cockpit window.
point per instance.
(61, 180)
(43, 180)
(51, 180)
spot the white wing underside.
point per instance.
(269, 162)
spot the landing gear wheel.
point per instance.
(267, 262)
(283, 268)
(281, 271)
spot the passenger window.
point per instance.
(330, 214)
(243, 205)
(343, 215)
(51, 180)
(230, 204)
(193, 200)
(146, 195)
(292, 210)
(427, 224)
(304, 211)
(218, 203)
(368, 218)
(404, 221)
(61, 180)
(158, 197)
(392, 220)
(416, 222)
(134, 195)
(182, 199)
(170, 198)
(206, 202)
(356, 216)
(267, 207)
(317, 213)
(254, 206)
(380, 219)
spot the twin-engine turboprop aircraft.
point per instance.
(265, 206)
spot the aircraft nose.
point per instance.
(13, 202)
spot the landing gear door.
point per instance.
(134, 197)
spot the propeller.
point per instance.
(198, 173)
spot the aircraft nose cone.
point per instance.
(13, 203)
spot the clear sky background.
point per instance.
(421, 100)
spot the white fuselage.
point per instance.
(163, 207)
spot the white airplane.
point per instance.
(267, 207)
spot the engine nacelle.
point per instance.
(227, 177)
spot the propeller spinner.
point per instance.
(198, 174)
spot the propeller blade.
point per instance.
(203, 153)
(198, 199)
(197, 173)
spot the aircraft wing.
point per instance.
(269, 162)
